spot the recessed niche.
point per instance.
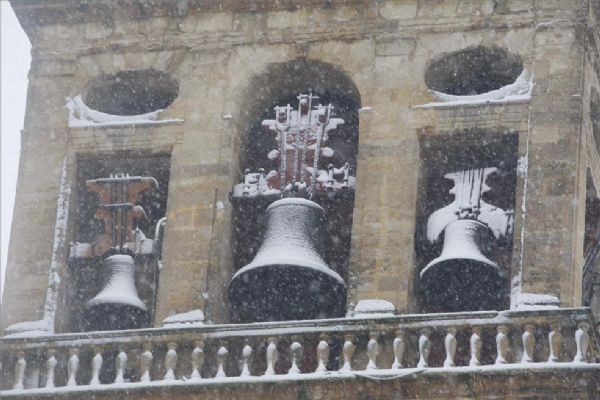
(458, 283)
(131, 92)
(87, 273)
(472, 71)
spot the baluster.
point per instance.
(502, 344)
(72, 367)
(528, 343)
(96, 365)
(146, 362)
(322, 354)
(398, 346)
(221, 358)
(450, 346)
(348, 351)
(272, 356)
(475, 345)
(50, 366)
(582, 340)
(170, 361)
(246, 354)
(554, 339)
(424, 347)
(296, 350)
(372, 350)
(20, 370)
(197, 359)
(121, 364)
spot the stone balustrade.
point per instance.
(377, 346)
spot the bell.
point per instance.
(463, 277)
(117, 306)
(288, 278)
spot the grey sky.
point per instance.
(15, 59)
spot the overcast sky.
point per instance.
(14, 66)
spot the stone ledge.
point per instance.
(550, 381)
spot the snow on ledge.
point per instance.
(518, 91)
(534, 301)
(81, 116)
(376, 375)
(373, 307)
(190, 318)
(24, 329)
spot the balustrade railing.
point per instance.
(280, 350)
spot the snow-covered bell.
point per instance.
(117, 305)
(288, 279)
(463, 277)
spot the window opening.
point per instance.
(314, 174)
(464, 230)
(113, 265)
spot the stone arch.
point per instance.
(280, 84)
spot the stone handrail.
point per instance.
(379, 345)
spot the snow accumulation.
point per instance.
(522, 166)
(534, 301)
(81, 116)
(295, 201)
(469, 185)
(190, 318)
(373, 307)
(519, 90)
(28, 329)
(292, 248)
(121, 286)
(375, 375)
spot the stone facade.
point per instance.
(218, 51)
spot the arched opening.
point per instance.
(131, 92)
(280, 85)
(474, 70)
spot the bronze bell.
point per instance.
(117, 305)
(463, 277)
(288, 278)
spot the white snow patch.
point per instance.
(534, 301)
(121, 285)
(190, 318)
(370, 307)
(296, 201)
(28, 329)
(518, 91)
(554, 21)
(289, 247)
(81, 116)
(522, 166)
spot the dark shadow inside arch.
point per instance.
(280, 85)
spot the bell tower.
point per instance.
(325, 199)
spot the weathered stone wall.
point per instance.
(384, 48)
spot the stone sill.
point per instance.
(470, 104)
(126, 124)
